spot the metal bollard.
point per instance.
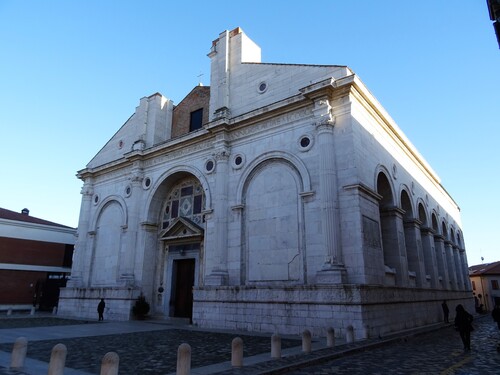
(275, 346)
(349, 335)
(32, 312)
(184, 359)
(54, 310)
(306, 341)
(110, 363)
(57, 360)
(19, 352)
(237, 352)
(330, 337)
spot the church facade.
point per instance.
(280, 198)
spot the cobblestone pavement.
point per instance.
(152, 352)
(22, 321)
(437, 352)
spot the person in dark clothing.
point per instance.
(446, 311)
(496, 315)
(100, 309)
(463, 322)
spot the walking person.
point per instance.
(446, 311)
(463, 322)
(495, 314)
(100, 309)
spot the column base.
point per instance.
(217, 278)
(332, 274)
(127, 279)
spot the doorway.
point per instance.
(181, 298)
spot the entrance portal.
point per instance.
(182, 288)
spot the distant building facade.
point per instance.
(35, 260)
(280, 198)
(485, 280)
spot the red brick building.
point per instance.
(35, 260)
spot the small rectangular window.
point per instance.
(473, 285)
(175, 209)
(494, 284)
(196, 120)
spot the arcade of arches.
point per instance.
(416, 254)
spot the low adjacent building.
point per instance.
(35, 260)
(280, 198)
(485, 280)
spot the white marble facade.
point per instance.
(299, 203)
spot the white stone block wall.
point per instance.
(376, 310)
(82, 302)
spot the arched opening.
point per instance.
(449, 258)
(396, 270)
(426, 235)
(456, 259)
(440, 254)
(181, 235)
(413, 242)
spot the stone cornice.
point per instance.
(365, 190)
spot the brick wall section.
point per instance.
(16, 286)
(18, 251)
(198, 98)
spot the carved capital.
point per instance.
(87, 191)
(88, 187)
(222, 112)
(323, 112)
(222, 154)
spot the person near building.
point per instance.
(496, 315)
(463, 323)
(100, 309)
(446, 311)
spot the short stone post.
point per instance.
(9, 311)
(306, 341)
(110, 363)
(237, 352)
(54, 310)
(57, 360)
(275, 346)
(184, 359)
(330, 337)
(349, 334)
(19, 352)
(32, 312)
(366, 331)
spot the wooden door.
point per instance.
(183, 287)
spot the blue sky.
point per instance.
(72, 72)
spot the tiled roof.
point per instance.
(17, 216)
(485, 269)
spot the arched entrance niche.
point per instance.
(179, 204)
(107, 229)
(392, 231)
(272, 224)
(413, 242)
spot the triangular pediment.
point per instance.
(181, 230)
